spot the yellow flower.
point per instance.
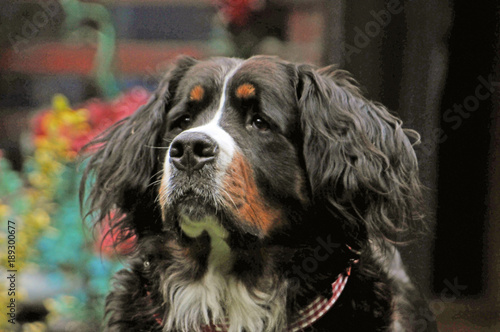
(35, 327)
(60, 103)
(39, 218)
(4, 211)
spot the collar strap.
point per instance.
(306, 317)
(320, 306)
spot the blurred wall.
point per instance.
(435, 63)
(397, 52)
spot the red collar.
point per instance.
(320, 306)
(307, 316)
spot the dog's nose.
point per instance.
(191, 151)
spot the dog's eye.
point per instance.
(183, 122)
(259, 123)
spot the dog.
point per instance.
(260, 195)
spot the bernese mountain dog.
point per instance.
(260, 195)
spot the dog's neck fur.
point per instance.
(219, 297)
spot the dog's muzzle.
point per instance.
(190, 151)
(195, 173)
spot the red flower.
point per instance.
(102, 115)
(238, 12)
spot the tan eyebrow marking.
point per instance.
(245, 91)
(197, 93)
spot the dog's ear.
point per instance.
(360, 161)
(125, 158)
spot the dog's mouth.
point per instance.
(194, 207)
(210, 232)
(191, 209)
(202, 201)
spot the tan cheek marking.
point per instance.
(197, 93)
(242, 195)
(245, 91)
(162, 195)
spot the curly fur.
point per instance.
(355, 184)
(370, 173)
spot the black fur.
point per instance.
(358, 191)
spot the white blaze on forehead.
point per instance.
(225, 142)
(223, 96)
(213, 129)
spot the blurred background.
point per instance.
(70, 68)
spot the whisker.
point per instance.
(157, 147)
(154, 183)
(227, 194)
(156, 174)
(158, 198)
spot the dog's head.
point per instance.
(257, 150)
